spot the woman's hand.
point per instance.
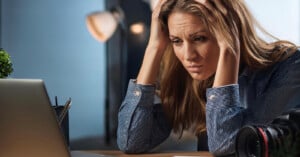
(228, 63)
(158, 37)
(157, 44)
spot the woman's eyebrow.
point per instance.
(192, 34)
(172, 36)
(200, 31)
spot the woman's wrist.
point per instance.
(227, 69)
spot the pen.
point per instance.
(56, 104)
(64, 111)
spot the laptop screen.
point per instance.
(28, 124)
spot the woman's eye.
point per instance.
(175, 41)
(200, 38)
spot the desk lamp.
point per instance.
(103, 24)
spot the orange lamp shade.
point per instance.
(101, 25)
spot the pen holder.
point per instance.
(64, 126)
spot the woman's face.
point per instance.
(193, 45)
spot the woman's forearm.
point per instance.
(227, 69)
(142, 125)
(224, 117)
(150, 67)
(158, 41)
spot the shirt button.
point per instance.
(211, 97)
(137, 93)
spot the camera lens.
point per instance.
(274, 140)
(249, 142)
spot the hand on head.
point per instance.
(158, 37)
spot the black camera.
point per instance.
(280, 138)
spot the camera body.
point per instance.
(280, 138)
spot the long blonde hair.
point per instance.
(182, 97)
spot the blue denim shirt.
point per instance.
(258, 98)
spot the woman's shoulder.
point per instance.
(288, 69)
(283, 72)
(292, 59)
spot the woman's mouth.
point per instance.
(194, 68)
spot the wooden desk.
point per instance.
(155, 154)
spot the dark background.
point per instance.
(125, 54)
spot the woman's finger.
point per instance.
(158, 5)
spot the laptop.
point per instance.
(28, 124)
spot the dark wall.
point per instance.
(126, 45)
(136, 11)
(125, 53)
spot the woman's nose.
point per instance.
(190, 52)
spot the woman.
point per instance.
(217, 75)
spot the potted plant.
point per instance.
(5, 64)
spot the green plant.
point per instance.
(5, 64)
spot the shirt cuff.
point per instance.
(138, 92)
(223, 97)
